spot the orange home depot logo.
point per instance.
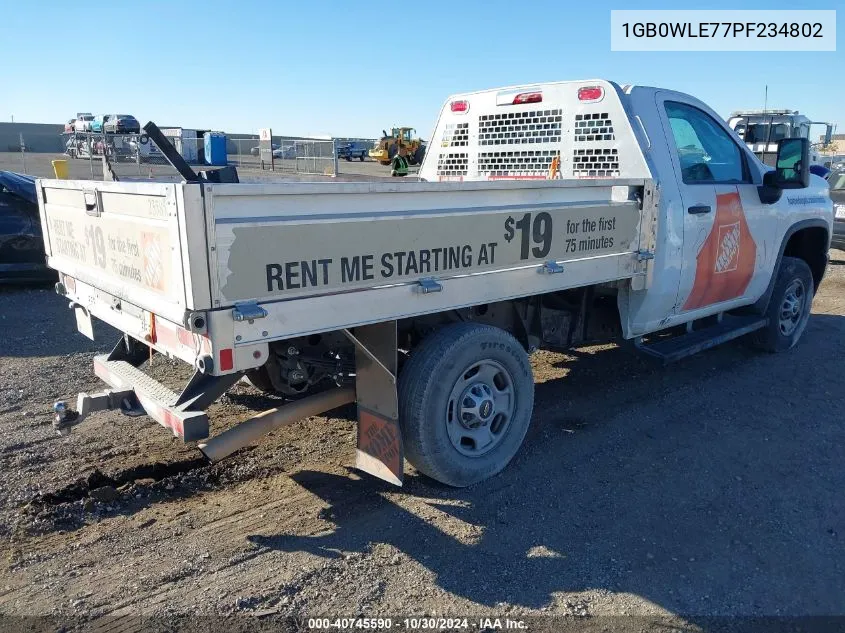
(725, 262)
(153, 260)
(379, 446)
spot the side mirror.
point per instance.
(792, 170)
(792, 167)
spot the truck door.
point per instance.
(723, 219)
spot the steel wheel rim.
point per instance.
(480, 408)
(792, 307)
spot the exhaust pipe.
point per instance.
(253, 429)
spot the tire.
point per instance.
(438, 375)
(260, 379)
(361, 158)
(392, 150)
(789, 307)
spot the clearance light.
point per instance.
(460, 106)
(528, 97)
(591, 93)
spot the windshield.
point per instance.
(759, 132)
(837, 180)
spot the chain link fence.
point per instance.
(293, 156)
(134, 156)
(130, 156)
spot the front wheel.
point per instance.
(789, 307)
(465, 400)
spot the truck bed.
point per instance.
(325, 256)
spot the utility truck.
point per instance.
(763, 129)
(545, 216)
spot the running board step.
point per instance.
(158, 401)
(673, 349)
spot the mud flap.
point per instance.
(379, 450)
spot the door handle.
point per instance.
(699, 209)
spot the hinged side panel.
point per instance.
(121, 238)
(278, 243)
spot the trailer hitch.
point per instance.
(124, 400)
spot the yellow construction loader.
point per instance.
(400, 138)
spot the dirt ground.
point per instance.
(713, 487)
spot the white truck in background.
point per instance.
(547, 215)
(763, 129)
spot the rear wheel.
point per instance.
(465, 400)
(789, 307)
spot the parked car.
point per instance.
(255, 151)
(82, 123)
(352, 150)
(22, 255)
(837, 194)
(98, 122)
(121, 124)
(69, 125)
(286, 152)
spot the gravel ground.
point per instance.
(711, 488)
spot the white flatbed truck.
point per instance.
(546, 215)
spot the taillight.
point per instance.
(590, 93)
(460, 106)
(527, 97)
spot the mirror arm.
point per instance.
(769, 194)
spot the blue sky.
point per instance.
(353, 68)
